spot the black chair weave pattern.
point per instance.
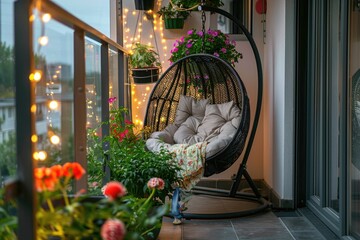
(201, 76)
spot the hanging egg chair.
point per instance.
(204, 77)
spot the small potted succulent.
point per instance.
(144, 63)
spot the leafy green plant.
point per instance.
(143, 56)
(170, 12)
(129, 160)
(8, 222)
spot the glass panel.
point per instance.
(54, 92)
(7, 92)
(114, 77)
(334, 105)
(93, 83)
(94, 12)
(8, 165)
(354, 53)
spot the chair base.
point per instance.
(258, 204)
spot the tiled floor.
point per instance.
(269, 225)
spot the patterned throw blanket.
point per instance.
(190, 159)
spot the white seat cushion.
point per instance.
(197, 121)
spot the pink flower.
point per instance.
(227, 41)
(128, 122)
(182, 39)
(187, 52)
(190, 32)
(233, 42)
(113, 229)
(112, 99)
(114, 190)
(157, 183)
(216, 54)
(188, 45)
(223, 50)
(200, 33)
(123, 134)
(174, 50)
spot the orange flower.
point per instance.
(58, 170)
(45, 179)
(73, 169)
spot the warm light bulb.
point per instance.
(33, 108)
(42, 155)
(35, 76)
(126, 10)
(134, 13)
(163, 40)
(36, 156)
(132, 92)
(46, 17)
(147, 88)
(151, 36)
(53, 105)
(54, 139)
(34, 138)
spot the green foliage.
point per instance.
(170, 12)
(129, 160)
(144, 56)
(7, 79)
(216, 43)
(8, 222)
(192, 4)
(8, 156)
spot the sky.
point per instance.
(96, 13)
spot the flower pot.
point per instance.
(145, 75)
(144, 4)
(174, 23)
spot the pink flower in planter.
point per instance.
(157, 183)
(190, 32)
(112, 99)
(113, 229)
(114, 190)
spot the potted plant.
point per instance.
(215, 42)
(129, 160)
(173, 18)
(59, 215)
(144, 4)
(145, 64)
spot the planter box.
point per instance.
(144, 4)
(174, 23)
(145, 75)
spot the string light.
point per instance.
(43, 40)
(55, 139)
(46, 17)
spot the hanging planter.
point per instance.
(144, 63)
(174, 23)
(145, 75)
(144, 4)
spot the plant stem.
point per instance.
(49, 203)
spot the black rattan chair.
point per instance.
(216, 80)
(212, 78)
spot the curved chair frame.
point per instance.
(242, 171)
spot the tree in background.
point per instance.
(7, 82)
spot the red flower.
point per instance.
(128, 122)
(114, 190)
(123, 134)
(157, 183)
(73, 169)
(58, 170)
(113, 229)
